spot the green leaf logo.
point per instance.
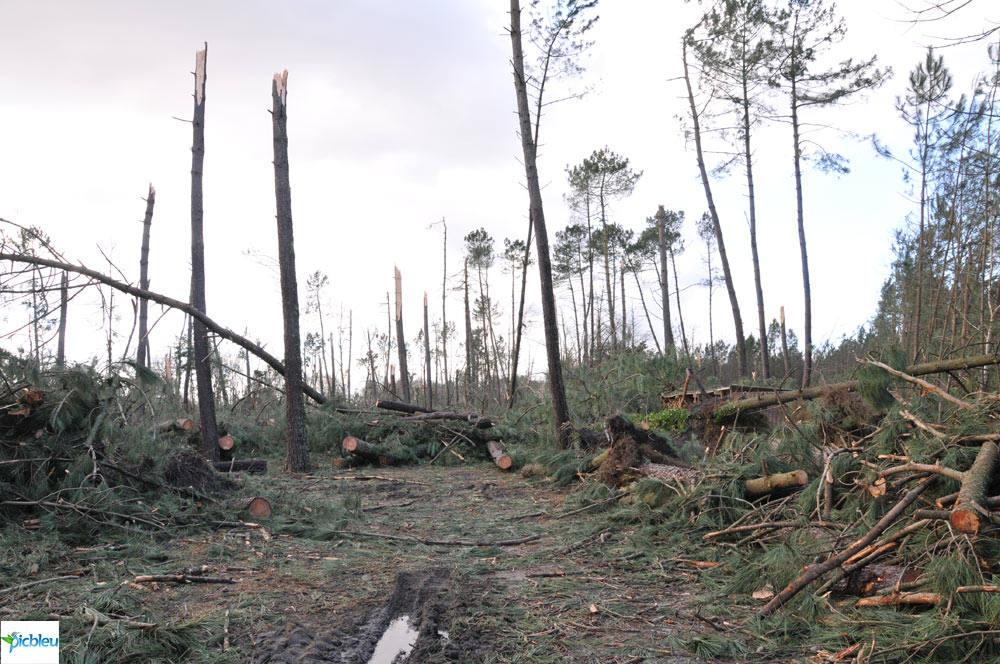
(8, 639)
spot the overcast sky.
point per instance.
(401, 113)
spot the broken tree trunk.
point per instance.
(972, 496)
(142, 351)
(400, 340)
(730, 410)
(476, 420)
(63, 309)
(241, 466)
(296, 450)
(182, 424)
(202, 352)
(762, 486)
(500, 458)
(428, 385)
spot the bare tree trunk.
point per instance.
(680, 315)
(296, 449)
(444, 318)
(63, 310)
(559, 406)
(668, 334)
(470, 367)
(350, 347)
(784, 345)
(142, 352)
(624, 308)
(404, 374)
(333, 372)
(519, 328)
(427, 358)
(807, 296)
(741, 350)
(765, 363)
(645, 310)
(202, 352)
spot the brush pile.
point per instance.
(869, 527)
(80, 457)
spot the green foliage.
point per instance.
(670, 419)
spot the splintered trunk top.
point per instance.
(202, 354)
(296, 452)
(142, 352)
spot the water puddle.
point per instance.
(398, 639)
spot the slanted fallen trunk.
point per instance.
(500, 458)
(241, 466)
(965, 517)
(399, 406)
(476, 420)
(182, 424)
(762, 486)
(728, 411)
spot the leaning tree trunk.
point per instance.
(202, 352)
(63, 310)
(142, 352)
(404, 374)
(559, 406)
(741, 349)
(296, 450)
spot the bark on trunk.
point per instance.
(765, 360)
(500, 458)
(398, 406)
(549, 315)
(784, 346)
(296, 450)
(762, 486)
(241, 466)
(668, 333)
(63, 310)
(970, 506)
(182, 424)
(741, 351)
(404, 374)
(428, 384)
(520, 317)
(142, 351)
(362, 449)
(807, 295)
(202, 352)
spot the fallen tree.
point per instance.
(210, 324)
(730, 410)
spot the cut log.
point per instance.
(500, 458)
(965, 517)
(362, 449)
(259, 508)
(182, 424)
(761, 486)
(345, 462)
(476, 420)
(241, 466)
(227, 443)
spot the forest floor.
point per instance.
(317, 584)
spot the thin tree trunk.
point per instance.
(404, 374)
(668, 334)
(470, 367)
(642, 298)
(350, 352)
(296, 449)
(202, 353)
(680, 314)
(765, 359)
(609, 288)
(142, 351)
(63, 311)
(333, 371)
(519, 328)
(444, 318)
(807, 296)
(624, 308)
(741, 351)
(784, 345)
(560, 407)
(427, 358)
